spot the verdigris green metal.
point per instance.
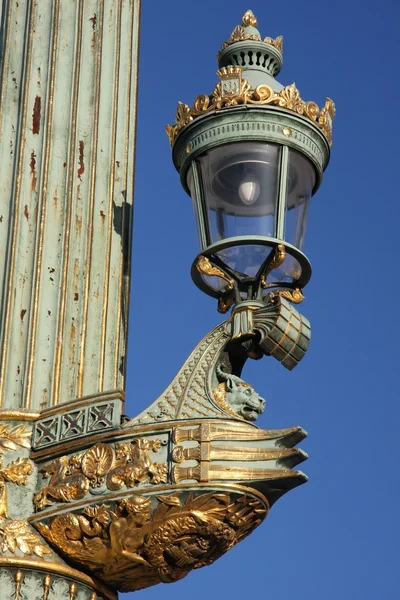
(250, 123)
(249, 240)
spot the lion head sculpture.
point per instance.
(237, 397)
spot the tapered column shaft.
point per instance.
(67, 140)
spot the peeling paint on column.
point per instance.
(69, 110)
(81, 169)
(36, 116)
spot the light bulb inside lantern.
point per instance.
(249, 191)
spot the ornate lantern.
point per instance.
(251, 155)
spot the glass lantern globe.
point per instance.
(249, 197)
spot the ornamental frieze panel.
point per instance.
(88, 417)
(100, 469)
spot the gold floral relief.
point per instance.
(262, 95)
(72, 478)
(16, 534)
(131, 546)
(12, 437)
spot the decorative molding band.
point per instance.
(27, 566)
(84, 418)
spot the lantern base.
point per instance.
(248, 268)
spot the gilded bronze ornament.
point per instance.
(262, 95)
(239, 34)
(277, 260)
(131, 546)
(72, 478)
(205, 266)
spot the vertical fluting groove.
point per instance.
(68, 201)
(4, 68)
(42, 205)
(15, 216)
(91, 199)
(110, 200)
(130, 136)
(125, 179)
(4, 62)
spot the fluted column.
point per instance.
(67, 140)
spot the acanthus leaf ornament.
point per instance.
(277, 42)
(18, 535)
(11, 438)
(263, 95)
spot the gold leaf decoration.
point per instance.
(72, 477)
(134, 547)
(17, 471)
(295, 296)
(205, 266)
(10, 439)
(97, 462)
(262, 95)
(17, 535)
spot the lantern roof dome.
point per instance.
(248, 65)
(261, 59)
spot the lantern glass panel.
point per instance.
(301, 181)
(240, 184)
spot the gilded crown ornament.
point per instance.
(234, 89)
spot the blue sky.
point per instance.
(337, 536)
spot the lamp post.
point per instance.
(111, 504)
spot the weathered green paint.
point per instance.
(67, 127)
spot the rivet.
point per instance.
(189, 148)
(287, 131)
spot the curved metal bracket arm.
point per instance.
(148, 499)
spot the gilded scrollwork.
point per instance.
(295, 296)
(131, 546)
(205, 266)
(72, 478)
(263, 95)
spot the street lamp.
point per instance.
(251, 155)
(113, 503)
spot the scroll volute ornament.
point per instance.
(262, 95)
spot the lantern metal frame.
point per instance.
(234, 125)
